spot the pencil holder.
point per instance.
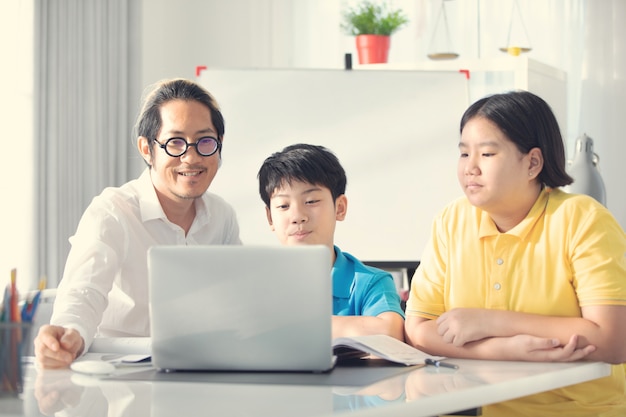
(13, 337)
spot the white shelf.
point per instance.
(497, 75)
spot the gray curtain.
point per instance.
(85, 102)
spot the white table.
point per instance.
(422, 392)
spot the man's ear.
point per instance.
(268, 214)
(144, 149)
(341, 207)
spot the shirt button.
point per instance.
(497, 286)
(499, 261)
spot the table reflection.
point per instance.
(65, 393)
(54, 393)
(432, 381)
(146, 392)
(390, 390)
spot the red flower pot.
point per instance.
(372, 49)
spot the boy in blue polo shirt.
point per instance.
(303, 188)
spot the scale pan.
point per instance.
(443, 55)
(522, 49)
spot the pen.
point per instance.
(30, 306)
(14, 315)
(440, 364)
(6, 305)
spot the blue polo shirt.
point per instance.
(361, 290)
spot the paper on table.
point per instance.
(122, 345)
(382, 346)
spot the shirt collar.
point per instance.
(341, 275)
(148, 200)
(521, 230)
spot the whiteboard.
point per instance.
(395, 133)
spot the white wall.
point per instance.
(180, 35)
(305, 33)
(583, 37)
(17, 170)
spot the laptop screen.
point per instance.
(245, 308)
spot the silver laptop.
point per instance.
(241, 308)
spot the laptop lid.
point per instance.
(241, 308)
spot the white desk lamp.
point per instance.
(584, 169)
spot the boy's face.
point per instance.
(305, 214)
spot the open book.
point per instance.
(380, 346)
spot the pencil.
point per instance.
(14, 310)
(42, 283)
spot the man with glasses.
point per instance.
(104, 290)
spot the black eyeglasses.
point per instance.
(176, 147)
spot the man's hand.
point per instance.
(57, 347)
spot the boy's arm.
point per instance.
(389, 323)
(423, 334)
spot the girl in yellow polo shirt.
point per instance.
(518, 269)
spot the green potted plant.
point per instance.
(372, 23)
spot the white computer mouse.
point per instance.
(92, 367)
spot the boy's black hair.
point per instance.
(312, 164)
